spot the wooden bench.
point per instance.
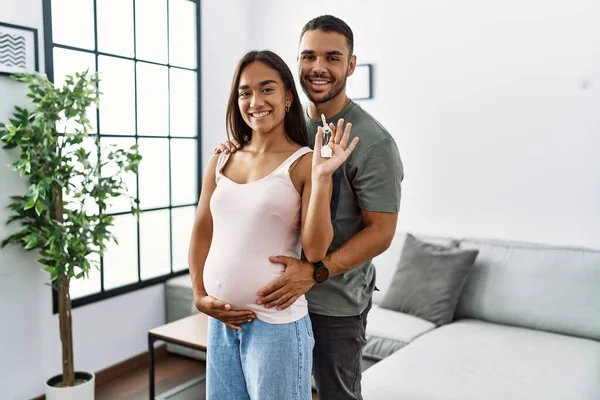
(189, 332)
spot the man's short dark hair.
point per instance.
(329, 23)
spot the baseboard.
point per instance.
(114, 371)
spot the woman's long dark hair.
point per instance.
(294, 123)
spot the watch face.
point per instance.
(321, 274)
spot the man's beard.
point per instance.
(331, 95)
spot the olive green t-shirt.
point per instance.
(369, 180)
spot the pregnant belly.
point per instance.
(238, 283)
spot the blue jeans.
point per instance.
(261, 362)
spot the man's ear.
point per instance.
(351, 65)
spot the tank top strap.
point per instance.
(221, 161)
(285, 166)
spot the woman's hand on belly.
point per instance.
(222, 311)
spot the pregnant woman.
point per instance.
(270, 197)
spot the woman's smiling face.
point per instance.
(262, 98)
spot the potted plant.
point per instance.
(62, 214)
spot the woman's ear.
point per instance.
(289, 98)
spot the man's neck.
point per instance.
(329, 108)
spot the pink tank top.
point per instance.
(252, 222)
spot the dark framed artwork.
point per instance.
(18, 49)
(360, 85)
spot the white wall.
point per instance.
(225, 39)
(110, 331)
(495, 107)
(21, 282)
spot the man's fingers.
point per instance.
(288, 303)
(220, 148)
(227, 147)
(281, 260)
(270, 298)
(271, 287)
(233, 145)
(281, 300)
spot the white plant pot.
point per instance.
(83, 391)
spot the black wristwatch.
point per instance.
(321, 272)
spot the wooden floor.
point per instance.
(171, 370)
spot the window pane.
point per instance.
(184, 171)
(151, 30)
(184, 106)
(152, 99)
(73, 23)
(155, 247)
(117, 108)
(115, 26)
(121, 203)
(68, 62)
(85, 286)
(154, 173)
(182, 33)
(121, 261)
(183, 221)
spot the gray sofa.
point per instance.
(527, 326)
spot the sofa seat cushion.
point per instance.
(474, 360)
(389, 331)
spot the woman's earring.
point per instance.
(287, 108)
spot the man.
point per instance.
(364, 209)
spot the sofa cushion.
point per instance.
(474, 360)
(386, 263)
(540, 287)
(388, 331)
(428, 280)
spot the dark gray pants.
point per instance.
(337, 355)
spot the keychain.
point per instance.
(325, 150)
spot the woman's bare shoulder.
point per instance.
(302, 169)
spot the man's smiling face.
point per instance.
(324, 64)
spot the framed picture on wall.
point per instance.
(359, 85)
(18, 49)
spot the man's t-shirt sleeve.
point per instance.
(378, 176)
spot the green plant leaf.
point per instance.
(30, 242)
(29, 204)
(53, 214)
(39, 207)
